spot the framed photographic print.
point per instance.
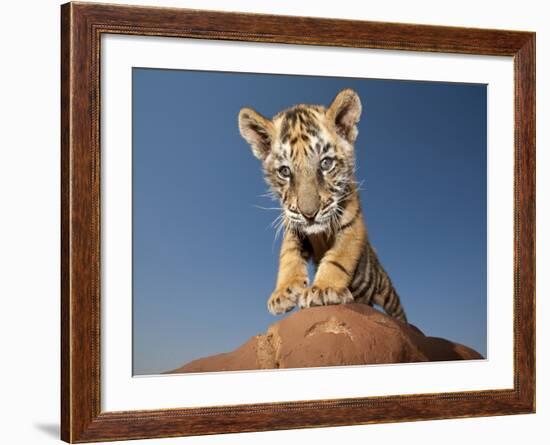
(275, 222)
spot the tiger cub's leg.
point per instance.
(386, 296)
(292, 279)
(377, 287)
(372, 284)
(338, 264)
(391, 304)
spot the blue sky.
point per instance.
(204, 255)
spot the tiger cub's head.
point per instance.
(308, 158)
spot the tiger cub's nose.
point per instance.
(309, 214)
(309, 202)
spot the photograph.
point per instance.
(273, 220)
(297, 221)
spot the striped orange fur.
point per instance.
(308, 159)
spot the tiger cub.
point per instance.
(307, 154)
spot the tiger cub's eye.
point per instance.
(284, 171)
(327, 164)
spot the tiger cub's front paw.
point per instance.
(317, 296)
(285, 299)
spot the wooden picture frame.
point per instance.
(82, 25)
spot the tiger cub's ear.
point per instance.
(257, 131)
(344, 113)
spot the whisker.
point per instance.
(277, 220)
(271, 195)
(268, 208)
(279, 227)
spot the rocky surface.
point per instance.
(351, 334)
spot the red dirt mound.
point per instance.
(351, 334)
